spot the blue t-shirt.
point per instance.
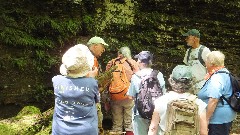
(216, 86)
(75, 111)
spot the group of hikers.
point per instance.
(136, 94)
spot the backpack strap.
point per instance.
(135, 101)
(113, 63)
(189, 51)
(154, 73)
(135, 106)
(222, 97)
(199, 54)
(121, 61)
(130, 64)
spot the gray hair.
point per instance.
(147, 65)
(216, 58)
(126, 52)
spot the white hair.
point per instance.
(216, 58)
(126, 52)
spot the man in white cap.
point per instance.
(97, 46)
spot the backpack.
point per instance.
(120, 83)
(182, 117)
(199, 54)
(150, 89)
(234, 99)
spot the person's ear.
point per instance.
(95, 46)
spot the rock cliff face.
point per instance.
(157, 25)
(154, 25)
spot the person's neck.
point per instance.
(142, 67)
(91, 50)
(195, 45)
(213, 69)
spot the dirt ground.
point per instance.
(236, 126)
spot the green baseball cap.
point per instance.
(97, 40)
(192, 32)
(182, 73)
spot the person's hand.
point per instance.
(93, 73)
(109, 65)
(130, 97)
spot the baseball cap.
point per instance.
(97, 40)
(144, 56)
(192, 32)
(182, 73)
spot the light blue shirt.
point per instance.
(219, 84)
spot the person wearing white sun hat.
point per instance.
(76, 94)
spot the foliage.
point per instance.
(104, 79)
(29, 121)
(27, 110)
(33, 33)
(6, 129)
(43, 94)
(39, 27)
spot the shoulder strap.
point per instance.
(222, 72)
(123, 60)
(189, 51)
(154, 73)
(120, 60)
(130, 64)
(213, 74)
(222, 97)
(235, 85)
(200, 55)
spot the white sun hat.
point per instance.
(77, 61)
